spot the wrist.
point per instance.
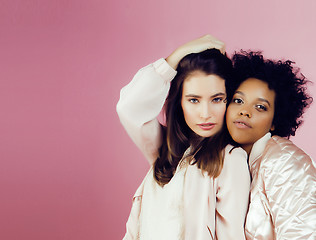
(174, 58)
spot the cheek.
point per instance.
(188, 112)
(229, 112)
(267, 124)
(185, 108)
(219, 112)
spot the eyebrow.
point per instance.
(260, 99)
(197, 96)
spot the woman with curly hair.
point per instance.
(198, 185)
(265, 110)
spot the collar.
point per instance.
(258, 148)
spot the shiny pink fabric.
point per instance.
(283, 192)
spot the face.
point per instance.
(204, 103)
(250, 114)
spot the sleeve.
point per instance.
(140, 103)
(290, 186)
(232, 196)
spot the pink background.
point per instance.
(68, 169)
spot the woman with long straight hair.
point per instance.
(198, 185)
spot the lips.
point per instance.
(206, 126)
(241, 124)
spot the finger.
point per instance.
(220, 46)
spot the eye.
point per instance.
(238, 100)
(217, 100)
(261, 107)
(193, 100)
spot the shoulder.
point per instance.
(282, 159)
(288, 178)
(282, 150)
(235, 174)
(235, 158)
(233, 153)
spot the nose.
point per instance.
(245, 112)
(205, 111)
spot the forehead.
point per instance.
(256, 88)
(199, 82)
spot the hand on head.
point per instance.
(195, 46)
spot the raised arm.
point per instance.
(141, 102)
(233, 186)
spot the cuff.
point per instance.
(164, 70)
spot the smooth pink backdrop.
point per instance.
(68, 169)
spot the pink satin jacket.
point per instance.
(283, 192)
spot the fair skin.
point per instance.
(196, 122)
(204, 103)
(250, 113)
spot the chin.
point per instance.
(238, 139)
(210, 134)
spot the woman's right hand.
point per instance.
(195, 46)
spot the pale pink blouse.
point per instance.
(192, 205)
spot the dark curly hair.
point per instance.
(286, 80)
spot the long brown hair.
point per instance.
(177, 136)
